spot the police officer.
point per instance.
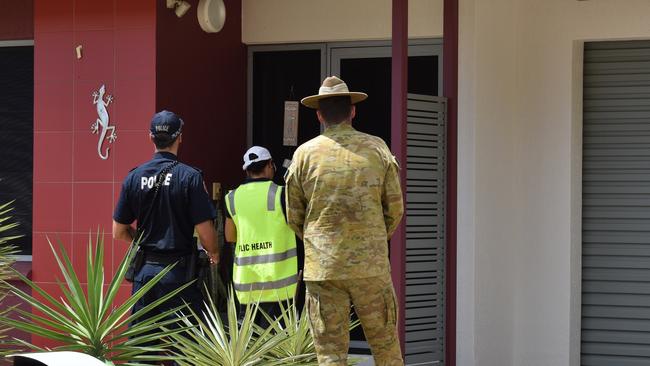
(266, 256)
(344, 200)
(168, 219)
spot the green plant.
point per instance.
(286, 341)
(299, 347)
(89, 320)
(7, 253)
(212, 342)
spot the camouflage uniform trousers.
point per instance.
(328, 304)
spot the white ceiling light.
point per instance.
(211, 15)
(180, 7)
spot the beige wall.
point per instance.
(489, 211)
(520, 127)
(293, 21)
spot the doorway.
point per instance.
(290, 72)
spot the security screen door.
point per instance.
(289, 72)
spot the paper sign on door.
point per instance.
(290, 124)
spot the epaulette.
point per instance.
(191, 167)
(197, 169)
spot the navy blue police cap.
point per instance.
(166, 122)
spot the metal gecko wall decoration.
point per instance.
(103, 121)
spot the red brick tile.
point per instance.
(135, 104)
(53, 106)
(52, 207)
(98, 61)
(123, 294)
(119, 251)
(93, 207)
(44, 266)
(133, 149)
(93, 14)
(135, 51)
(135, 14)
(117, 187)
(110, 263)
(53, 157)
(53, 56)
(88, 165)
(52, 16)
(80, 250)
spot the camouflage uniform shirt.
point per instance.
(344, 199)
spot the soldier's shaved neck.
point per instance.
(335, 110)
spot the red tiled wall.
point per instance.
(202, 77)
(16, 21)
(74, 190)
(148, 60)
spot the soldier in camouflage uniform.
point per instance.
(344, 199)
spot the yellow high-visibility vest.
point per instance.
(266, 264)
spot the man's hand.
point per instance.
(123, 232)
(214, 258)
(208, 237)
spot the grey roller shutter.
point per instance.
(425, 231)
(616, 204)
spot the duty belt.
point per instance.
(166, 259)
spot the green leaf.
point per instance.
(89, 320)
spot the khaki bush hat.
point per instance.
(332, 87)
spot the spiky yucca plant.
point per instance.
(286, 341)
(91, 321)
(7, 259)
(299, 347)
(233, 344)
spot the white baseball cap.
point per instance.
(255, 154)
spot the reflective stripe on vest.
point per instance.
(268, 258)
(266, 264)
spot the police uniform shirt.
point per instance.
(182, 203)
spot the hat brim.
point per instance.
(312, 100)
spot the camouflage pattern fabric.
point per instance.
(328, 303)
(344, 199)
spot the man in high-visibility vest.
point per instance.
(265, 268)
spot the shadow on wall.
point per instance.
(202, 77)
